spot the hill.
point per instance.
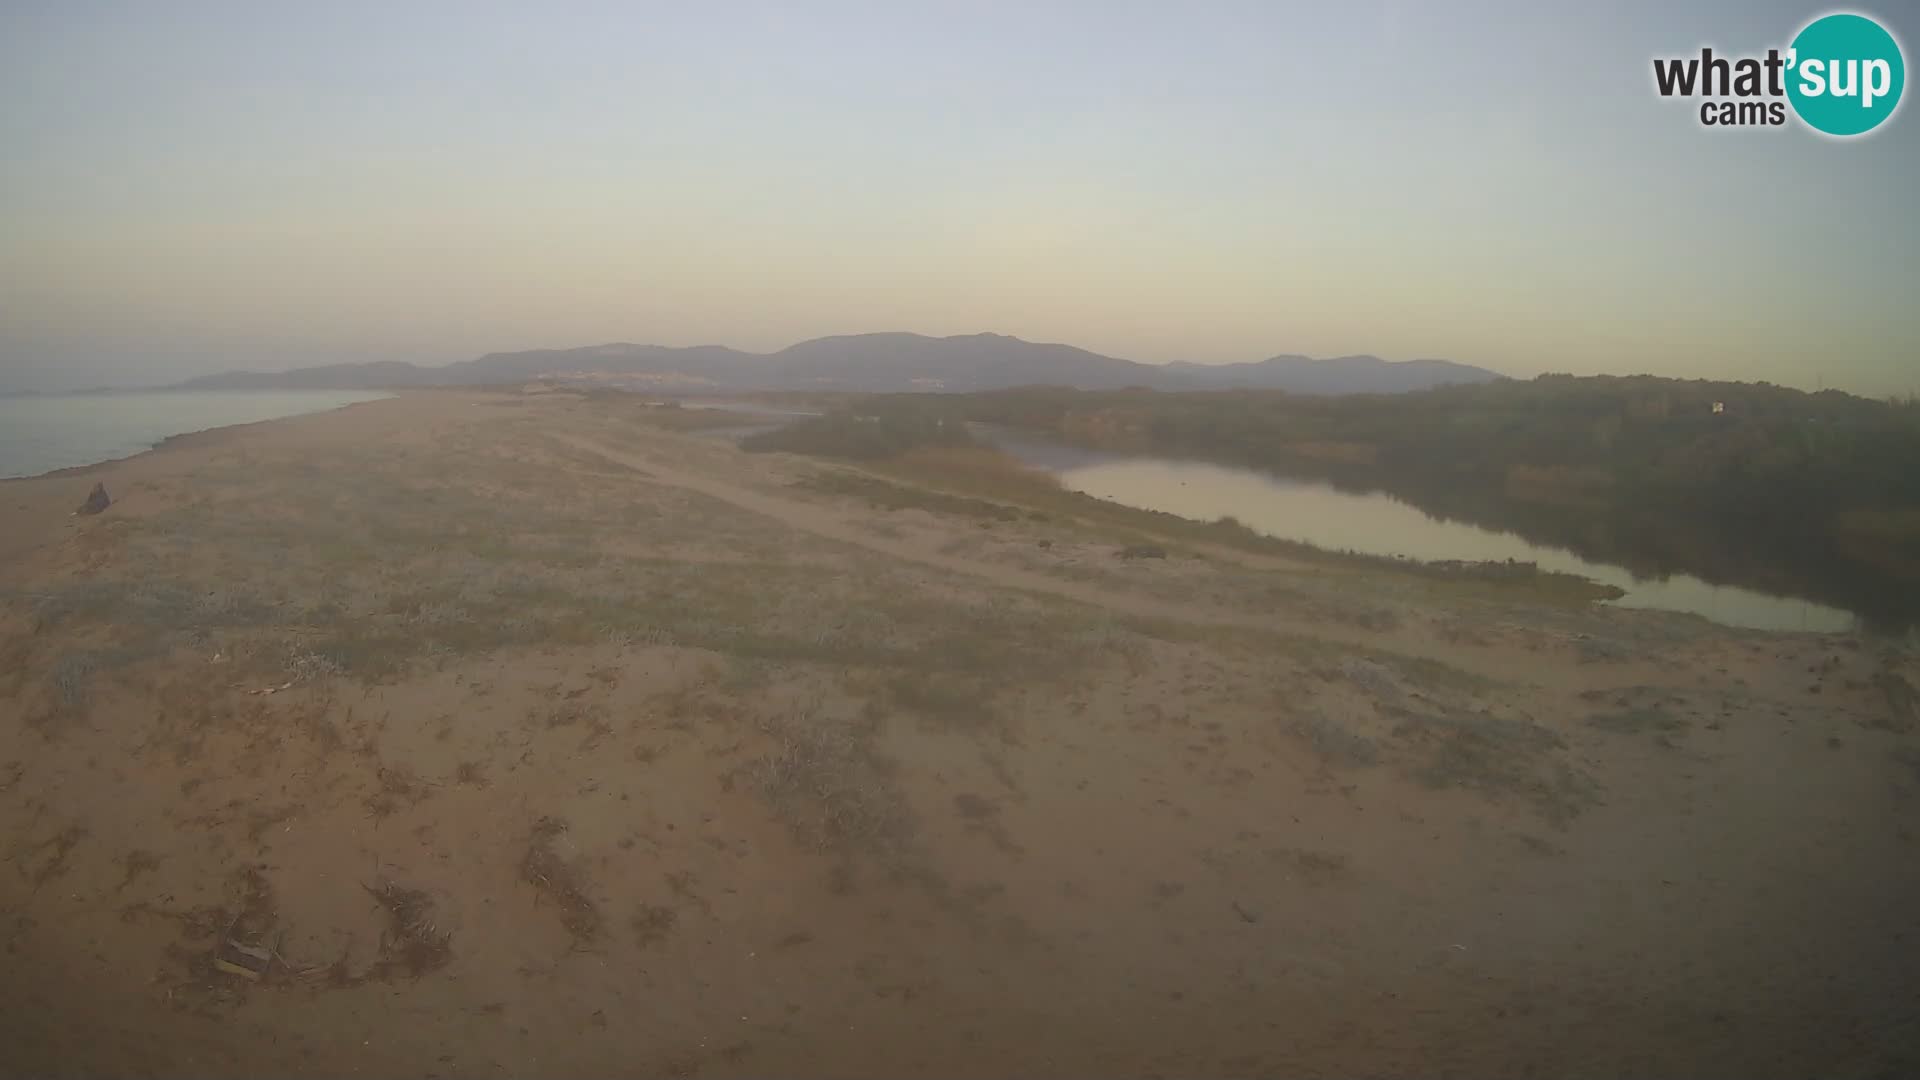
(871, 363)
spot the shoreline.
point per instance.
(181, 439)
(36, 511)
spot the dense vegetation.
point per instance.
(924, 441)
(1805, 494)
(866, 435)
(1771, 449)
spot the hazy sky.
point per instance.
(187, 187)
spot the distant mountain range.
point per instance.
(869, 362)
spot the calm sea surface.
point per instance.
(40, 434)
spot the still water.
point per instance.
(1379, 524)
(58, 431)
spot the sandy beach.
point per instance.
(524, 735)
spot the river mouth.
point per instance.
(1376, 523)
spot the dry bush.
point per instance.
(411, 945)
(558, 881)
(400, 789)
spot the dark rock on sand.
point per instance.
(96, 500)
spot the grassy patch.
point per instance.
(957, 702)
(825, 780)
(673, 416)
(73, 678)
(887, 495)
(1649, 719)
(1335, 743)
(1494, 756)
(854, 436)
(148, 604)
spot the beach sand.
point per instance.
(524, 736)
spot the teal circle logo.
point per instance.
(1845, 74)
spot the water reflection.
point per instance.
(1379, 524)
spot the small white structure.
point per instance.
(1719, 407)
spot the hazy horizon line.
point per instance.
(178, 384)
